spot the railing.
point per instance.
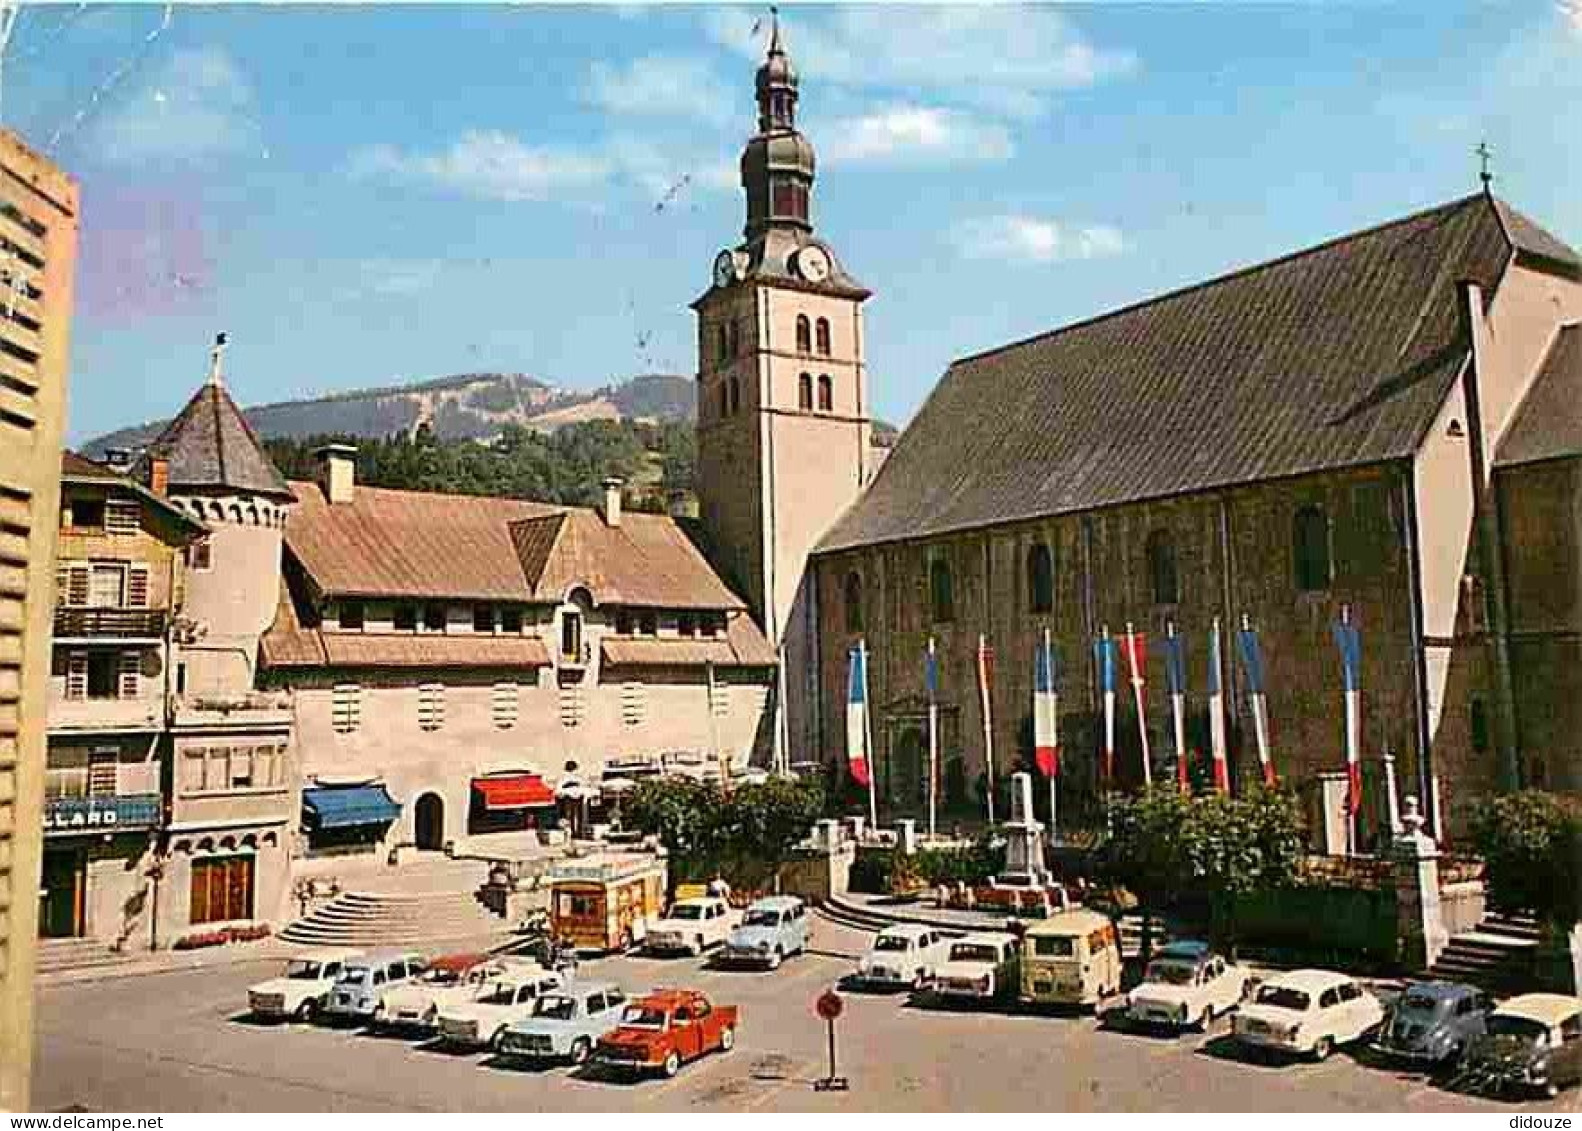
(139, 624)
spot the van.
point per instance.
(1073, 958)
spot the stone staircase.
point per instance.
(420, 902)
(1497, 955)
(59, 955)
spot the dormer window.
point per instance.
(434, 617)
(404, 618)
(351, 615)
(571, 636)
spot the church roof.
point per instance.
(1549, 422)
(1336, 356)
(211, 447)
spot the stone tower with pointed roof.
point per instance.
(210, 463)
(784, 420)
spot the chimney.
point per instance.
(612, 501)
(337, 472)
(158, 475)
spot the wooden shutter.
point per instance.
(121, 516)
(346, 707)
(198, 897)
(76, 586)
(504, 703)
(76, 675)
(137, 586)
(102, 775)
(129, 675)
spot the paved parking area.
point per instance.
(180, 1042)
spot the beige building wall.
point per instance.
(234, 600)
(38, 223)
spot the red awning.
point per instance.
(514, 791)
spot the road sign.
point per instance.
(829, 1005)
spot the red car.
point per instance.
(661, 1031)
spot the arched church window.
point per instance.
(823, 337)
(853, 602)
(1310, 549)
(804, 392)
(804, 334)
(725, 404)
(941, 599)
(1162, 568)
(722, 342)
(736, 394)
(1040, 579)
(826, 393)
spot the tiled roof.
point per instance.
(1549, 422)
(741, 646)
(1336, 356)
(647, 560)
(1530, 239)
(210, 446)
(79, 469)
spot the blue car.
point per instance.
(566, 1023)
(772, 930)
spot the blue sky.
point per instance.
(368, 195)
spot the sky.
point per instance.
(377, 194)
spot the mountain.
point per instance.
(466, 406)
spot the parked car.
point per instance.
(1187, 983)
(481, 1021)
(771, 930)
(1531, 1042)
(449, 979)
(1308, 1012)
(902, 955)
(565, 1024)
(299, 993)
(977, 967)
(1433, 1023)
(692, 925)
(363, 983)
(665, 1029)
(1071, 958)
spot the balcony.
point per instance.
(85, 716)
(102, 625)
(242, 709)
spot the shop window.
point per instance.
(1161, 553)
(221, 890)
(1310, 549)
(941, 599)
(853, 602)
(1040, 579)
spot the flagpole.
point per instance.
(1175, 668)
(714, 735)
(1049, 660)
(933, 739)
(1135, 662)
(988, 724)
(867, 738)
(782, 721)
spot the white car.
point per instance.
(479, 1023)
(1185, 984)
(450, 980)
(1308, 1012)
(902, 955)
(693, 926)
(299, 993)
(978, 967)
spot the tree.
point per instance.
(1235, 846)
(1531, 844)
(685, 814)
(1147, 848)
(766, 819)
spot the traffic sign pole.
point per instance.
(830, 1006)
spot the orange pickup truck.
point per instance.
(661, 1031)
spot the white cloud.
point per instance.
(923, 133)
(198, 105)
(1000, 56)
(398, 277)
(490, 165)
(1572, 11)
(1033, 239)
(659, 86)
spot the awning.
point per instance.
(514, 791)
(326, 807)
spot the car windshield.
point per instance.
(439, 976)
(687, 911)
(555, 1006)
(892, 942)
(306, 971)
(974, 952)
(1522, 1027)
(643, 1017)
(761, 919)
(1171, 973)
(499, 995)
(1421, 1004)
(1283, 997)
(355, 975)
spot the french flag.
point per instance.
(1046, 717)
(1137, 662)
(857, 717)
(1349, 641)
(1175, 678)
(1220, 747)
(1105, 657)
(1252, 668)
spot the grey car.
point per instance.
(1433, 1023)
(566, 1023)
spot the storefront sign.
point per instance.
(126, 812)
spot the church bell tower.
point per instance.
(784, 420)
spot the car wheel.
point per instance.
(307, 1011)
(696, 948)
(624, 943)
(1205, 1019)
(775, 959)
(581, 1049)
(727, 1039)
(377, 1019)
(494, 1041)
(1322, 1048)
(1551, 1090)
(672, 1063)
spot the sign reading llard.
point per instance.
(101, 814)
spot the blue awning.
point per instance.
(340, 807)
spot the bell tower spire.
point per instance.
(778, 165)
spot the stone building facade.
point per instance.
(1309, 434)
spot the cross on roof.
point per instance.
(1484, 155)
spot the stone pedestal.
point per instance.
(1024, 850)
(906, 836)
(1420, 927)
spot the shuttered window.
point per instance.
(102, 772)
(72, 580)
(137, 586)
(76, 675)
(129, 675)
(192, 769)
(571, 705)
(721, 698)
(431, 706)
(107, 585)
(504, 705)
(121, 517)
(346, 707)
(634, 703)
